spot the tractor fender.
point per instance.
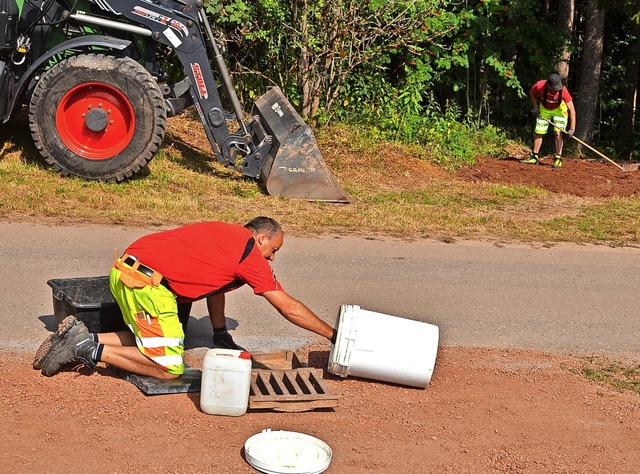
(102, 41)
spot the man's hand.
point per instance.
(535, 112)
(571, 132)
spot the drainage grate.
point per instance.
(290, 390)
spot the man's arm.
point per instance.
(534, 97)
(572, 116)
(297, 313)
(215, 306)
(221, 337)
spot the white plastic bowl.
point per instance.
(287, 452)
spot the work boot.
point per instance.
(52, 339)
(223, 340)
(44, 349)
(72, 344)
(532, 160)
(557, 162)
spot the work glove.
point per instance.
(223, 340)
(535, 112)
(571, 132)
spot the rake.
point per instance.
(625, 167)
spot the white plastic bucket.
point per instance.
(383, 347)
(226, 382)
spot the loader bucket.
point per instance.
(295, 167)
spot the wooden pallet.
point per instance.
(293, 390)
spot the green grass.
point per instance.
(389, 196)
(623, 378)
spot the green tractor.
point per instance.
(92, 75)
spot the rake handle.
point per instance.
(584, 144)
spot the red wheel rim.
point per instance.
(78, 137)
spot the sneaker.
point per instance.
(557, 162)
(532, 160)
(223, 340)
(73, 344)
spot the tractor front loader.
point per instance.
(92, 73)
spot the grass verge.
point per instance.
(394, 191)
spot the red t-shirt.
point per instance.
(201, 259)
(554, 98)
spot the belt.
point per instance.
(141, 268)
(144, 270)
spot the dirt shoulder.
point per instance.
(577, 177)
(484, 411)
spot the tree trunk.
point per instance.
(629, 106)
(590, 67)
(304, 63)
(565, 23)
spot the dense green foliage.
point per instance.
(438, 73)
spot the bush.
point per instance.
(449, 139)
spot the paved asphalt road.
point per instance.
(564, 298)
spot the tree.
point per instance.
(630, 95)
(590, 68)
(335, 39)
(312, 48)
(565, 24)
(630, 98)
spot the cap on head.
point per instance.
(555, 82)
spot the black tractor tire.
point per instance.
(97, 117)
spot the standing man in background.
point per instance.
(551, 103)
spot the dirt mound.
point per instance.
(391, 166)
(579, 177)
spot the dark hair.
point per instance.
(264, 224)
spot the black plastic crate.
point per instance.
(90, 300)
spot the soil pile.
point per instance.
(579, 177)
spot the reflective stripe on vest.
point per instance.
(149, 342)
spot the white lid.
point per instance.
(287, 452)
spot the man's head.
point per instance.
(267, 234)
(555, 82)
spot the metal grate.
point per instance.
(290, 390)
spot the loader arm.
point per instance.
(274, 147)
(182, 31)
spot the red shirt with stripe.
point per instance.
(202, 259)
(554, 98)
